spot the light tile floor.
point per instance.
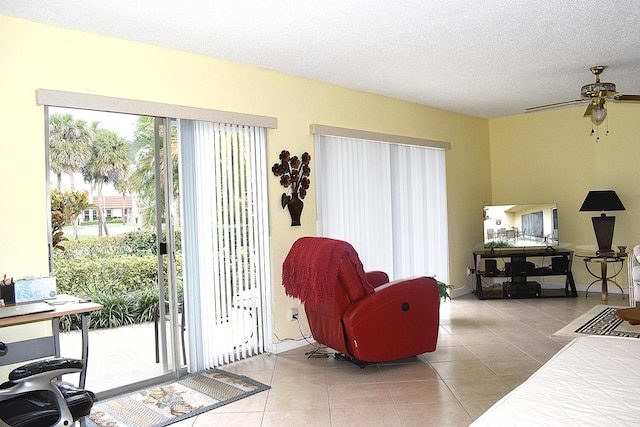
(485, 349)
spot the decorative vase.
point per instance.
(295, 206)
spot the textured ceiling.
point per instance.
(487, 58)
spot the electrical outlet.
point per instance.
(292, 314)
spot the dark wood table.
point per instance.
(631, 315)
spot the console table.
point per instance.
(518, 265)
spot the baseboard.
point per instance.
(460, 292)
(613, 289)
(283, 346)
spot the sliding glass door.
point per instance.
(114, 204)
(170, 328)
(190, 193)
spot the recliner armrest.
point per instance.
(394, 283)
(377, 278)
(399, 320)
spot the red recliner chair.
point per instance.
(358, 314)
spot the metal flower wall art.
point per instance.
(294, 174)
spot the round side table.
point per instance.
(604, 277)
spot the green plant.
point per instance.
(146, 301)
(498, 244)
(119, 309)
(443, 289)
(57, 234)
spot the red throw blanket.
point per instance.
(311, 268)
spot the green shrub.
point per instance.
(140, 242)
(119, 272)
(119, 310)
(134, 243)
(146, 301)
(114, 274)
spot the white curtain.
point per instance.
(388, 200)
(225, 242)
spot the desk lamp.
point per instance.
(603, 200)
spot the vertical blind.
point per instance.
(225, 241)
(388, 200)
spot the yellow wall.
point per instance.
(551, 157)
(533, 158)
(39, 56)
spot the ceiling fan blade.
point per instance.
(554, 105)
(587, 113)
(627, 98)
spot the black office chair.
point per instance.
(31, 397)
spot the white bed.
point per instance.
(592, 381)
(634, 276)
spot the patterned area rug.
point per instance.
(600, 320)
(172, 402)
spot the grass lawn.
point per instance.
(89, 230)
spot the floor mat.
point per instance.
(168, 403)
(599, 320)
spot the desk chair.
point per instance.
(31, 397)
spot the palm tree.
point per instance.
(69, 142)
(123, 186)
(143, 176)
(108, 163)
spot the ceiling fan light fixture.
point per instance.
(597, 94)
(598, 114)
(593, 90)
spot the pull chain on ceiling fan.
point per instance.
(597, 95)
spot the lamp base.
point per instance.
(603, 227)
(609, 252)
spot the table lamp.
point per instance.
(603, 200)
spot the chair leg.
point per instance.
(184, 350)
(156, 314)
(156, 318)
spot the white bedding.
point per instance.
(592, 381)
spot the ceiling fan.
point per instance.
(597, 94)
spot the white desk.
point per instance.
(37, 348)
